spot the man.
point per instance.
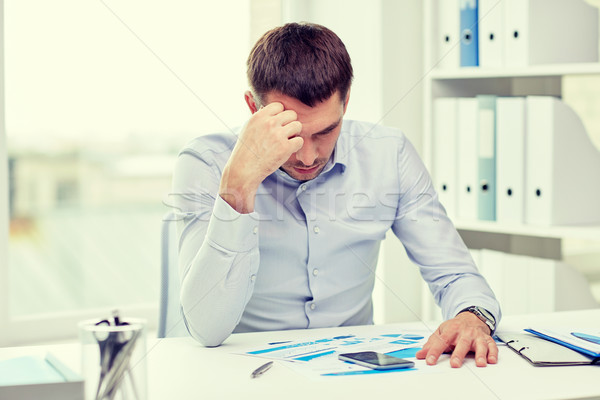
(281, 222)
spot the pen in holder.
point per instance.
(114, 358)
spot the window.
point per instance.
(99, 98)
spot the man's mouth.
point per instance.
(304, 170)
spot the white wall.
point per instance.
(358, 24)
(403, 108)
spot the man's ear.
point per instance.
(346, 100)
(252, 104)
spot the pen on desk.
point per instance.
(273, 343)
(586, 336)
(261, 370)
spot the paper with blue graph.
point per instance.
(320, 356)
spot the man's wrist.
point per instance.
(237, 203)
(483, 315)
(237, 192)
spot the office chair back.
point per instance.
(170, 321)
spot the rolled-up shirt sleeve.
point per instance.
(218, 251)
(433, 243)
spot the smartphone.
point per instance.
(376, 360)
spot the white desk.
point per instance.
(181, 369)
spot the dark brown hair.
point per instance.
(305, 61)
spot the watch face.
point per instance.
(485, 317)
(486, 314)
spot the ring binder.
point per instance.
(543, 353)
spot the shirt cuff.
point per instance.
(231, 230)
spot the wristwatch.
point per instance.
(483, 315)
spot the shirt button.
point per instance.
(313, 306)
(315, 272)
(303, 187)
(252, 277)
(255, 230)
(316, 229)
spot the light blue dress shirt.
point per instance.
(306, 256)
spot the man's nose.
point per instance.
(307, 153)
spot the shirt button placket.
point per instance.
(310, 307)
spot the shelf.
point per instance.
(531, 71)
(585, 232)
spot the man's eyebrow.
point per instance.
(329, 128)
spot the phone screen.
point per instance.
(376, 360)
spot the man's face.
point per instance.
(321, 126)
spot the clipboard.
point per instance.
(544, 353)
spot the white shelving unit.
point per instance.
(472, 81)
(556, 70)
(584, 232)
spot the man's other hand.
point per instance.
(463, 334)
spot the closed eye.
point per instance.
(329, 129)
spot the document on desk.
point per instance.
(32, 377)
(585, 341)
(543, 353)
(319, 357)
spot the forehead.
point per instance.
(323, 113)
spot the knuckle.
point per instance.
(271, 123)
(275, 106)
(471, 331)
(481, 340)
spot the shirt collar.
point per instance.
(340, 151)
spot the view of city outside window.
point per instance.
(100, 96)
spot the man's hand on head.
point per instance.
(267, 141)
(463, 334)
